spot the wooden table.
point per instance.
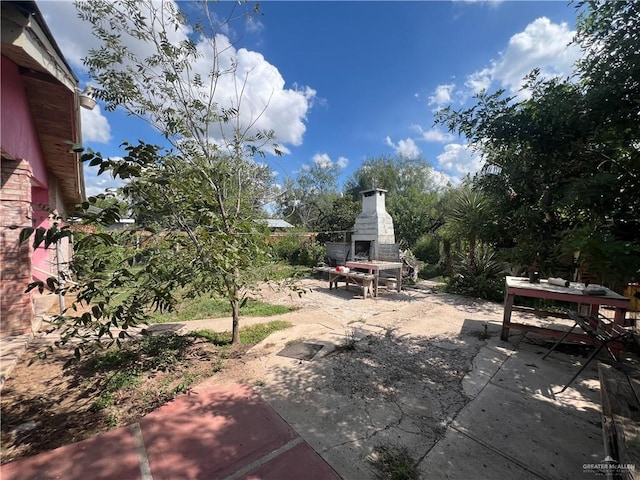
(520, 287)
(375, 267)
(363, 280)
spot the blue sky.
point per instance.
(355, 80)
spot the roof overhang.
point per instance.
(52, 91)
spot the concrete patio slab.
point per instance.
(548, 439)
(458, 457)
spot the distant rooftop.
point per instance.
(278, 223)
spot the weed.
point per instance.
(182, 387)
(163, 352)
(111, 359)
(351, 339)
(485, 334)
(217, 366)
(358, 320)
(393, 463)
(294, 341)
(122, 380)
(105, 400)
(112, 420)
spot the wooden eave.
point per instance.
(51, 90)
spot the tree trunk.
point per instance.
(472, 255)
(235, 307)
(448, 260)
(235, 315)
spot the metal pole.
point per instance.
(61, 281)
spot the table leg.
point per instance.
(399, 280)
(620, 317)
(506, 320)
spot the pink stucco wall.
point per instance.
(41, 259)
(20, 140)
(18, 132)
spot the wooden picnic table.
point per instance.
(375, 267)
(521, 287)
(363, 280)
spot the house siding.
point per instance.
(16, 306)
(25, 184)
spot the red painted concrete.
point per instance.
(299, 463)
(208, 434)
(212, 433)
(106, 457)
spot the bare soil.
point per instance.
(44, 406)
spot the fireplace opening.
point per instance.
(362, 250)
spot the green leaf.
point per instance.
(52, 283)
(25, 233)
(39, 237)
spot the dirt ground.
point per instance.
(407, 352)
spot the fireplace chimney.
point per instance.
(373, 227)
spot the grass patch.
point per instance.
(282, 271)
(206, 307)
(393, 463)
(249, 335)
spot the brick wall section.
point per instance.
(16, 307)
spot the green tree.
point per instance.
(468, 216)
(339, 219)
(307, 200)
(208, 183)
(202, 192)
(563, 166)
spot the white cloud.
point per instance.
(434, 135)
(442, 180)
(95, 126)
(442, 95)
(542, 44)
(405, 148)
(342, 162)
(266, 102)
(323, 160)
(96, 184)
(459, 159)
(479, 81)
(253, 25)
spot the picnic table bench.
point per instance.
(362, 280)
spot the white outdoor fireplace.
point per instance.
(373, 227)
